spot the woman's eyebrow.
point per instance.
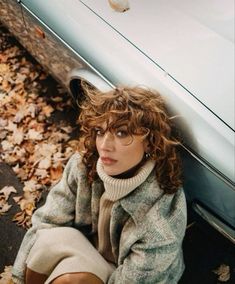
(119, 124)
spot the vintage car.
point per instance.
(182, 48)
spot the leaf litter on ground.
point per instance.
(36, 147)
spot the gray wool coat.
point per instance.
(146, 228)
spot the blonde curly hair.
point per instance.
(137, 108)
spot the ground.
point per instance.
(205, 250)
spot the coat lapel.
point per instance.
(138, 203)
(130, 211)
(97, 189)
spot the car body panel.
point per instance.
(192, 51)
(204, 187)
(102, 53)
(209, 133)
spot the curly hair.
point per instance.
(137, 108)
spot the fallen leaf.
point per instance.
(4, 68)
(18, 136)
(11, 126)
(31, 185)
(31, 142)
(56, 172)
(7, 190)
(41, 173)
(6, 276)
(6, 145)
(22, 219)
(223, 272)
(27, 205)
(47, 110)
(4, 208)
(21, 113)
(119, 5)
(45, 163)
(3, 122)
(34, 135)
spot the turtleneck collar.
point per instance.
(116, 188)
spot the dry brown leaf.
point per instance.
(22, 219)
(18, 136)
(5, 208)
(4, 68)
(27, 205)
(3, 134)
(66, 129)
(17, 199)
(57, 99)
(20, 172)
(3, 58)
(11, 126)
(45, 163)
(5, 193)
(119, 5)
(3, 122)
(74, 145)
(21, 114)
(31, 185)
(36, 148)
(223, 272)
(32, 110)
(43, 150)
(55, 173)
(57, 137)
(32, 195)
(7, 146)
(6, 276)
(47, 110)
(7, 190)
(41, 173)
(29, 146)
(34, 135)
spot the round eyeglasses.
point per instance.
(120, 135)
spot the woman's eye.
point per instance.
(99, 132)
(121, 133)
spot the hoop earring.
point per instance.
(147, 155)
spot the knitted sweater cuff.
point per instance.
(17, 280)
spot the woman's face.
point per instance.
(118, 151)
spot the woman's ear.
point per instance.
(146, 146)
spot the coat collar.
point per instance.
(138, 203)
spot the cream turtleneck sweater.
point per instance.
(115, 189)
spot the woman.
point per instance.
(118, 215)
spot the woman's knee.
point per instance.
(34, 277)
(78, 278)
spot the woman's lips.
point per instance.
(108, 161)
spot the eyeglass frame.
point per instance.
(111, 130)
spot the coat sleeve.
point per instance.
(161, 263)
(155, 256)
(58, 210)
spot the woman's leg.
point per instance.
(78, 278)
(34, 277)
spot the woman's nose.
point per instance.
(107, 141)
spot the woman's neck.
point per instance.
(132, 171)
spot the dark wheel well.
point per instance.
(76, 89)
